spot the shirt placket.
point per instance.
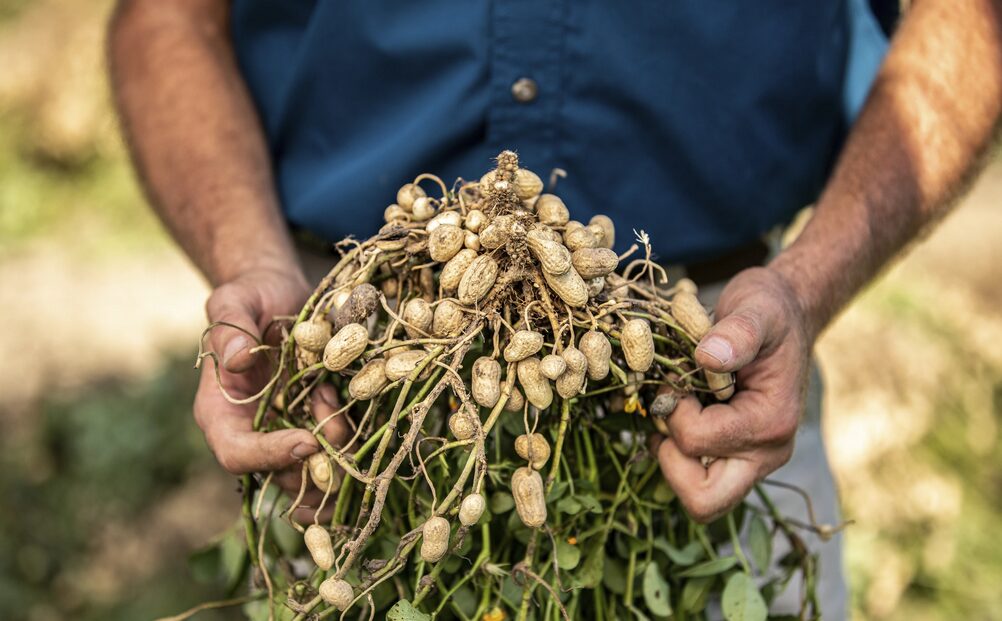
(527, 43)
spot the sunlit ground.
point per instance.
(107, 487)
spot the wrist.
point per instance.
(795, 282)
(238, 257)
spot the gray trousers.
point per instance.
(808, 469)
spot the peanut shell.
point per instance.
(345, 346)
(312, 334)
(418, 315)
(403, 364)
(471, 509)
(553, 256)
(638, 344)
(435, 539)
(690, 314)
(486, 381)
(368, 382)
(552, 366)
(337, 593)
(478, 280)
(445, 241)
(447, 320)
(530, 500)
(407, 194)
(523, 343)
(318, 542)
(594, 262)
(569, 286)
(598, 351)
(453, 271)
(551, 210)
(527, 184)
(537, 388)
(607, 235)
(533, 448)
(722, 384)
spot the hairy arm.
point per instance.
(201, 154)
(195, 137)
(929, 120)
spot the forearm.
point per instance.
(195, 137)
(927, 124)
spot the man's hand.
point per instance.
(760, 334)
(250, 301)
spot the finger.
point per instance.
(290, 479)
(751, 420)
(706, 493)
(734, 341)
(653, 442)
(306, 513)
(240, 452)
(239, 306)
(229, 431)
(324, 402)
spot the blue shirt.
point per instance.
(703, 122)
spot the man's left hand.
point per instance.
(761, 334)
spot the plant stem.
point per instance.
(736, 542)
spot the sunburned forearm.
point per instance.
(195, 137)
(929, 121)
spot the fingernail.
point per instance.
(303, 450)
(718, 349)
(329, 395)
(234, 347)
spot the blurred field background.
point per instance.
(107, 488)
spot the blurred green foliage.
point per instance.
(97, 469)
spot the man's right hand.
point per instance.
(251, 301)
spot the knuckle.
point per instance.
(744, 326)
(698, 508)
(227, 462)
(686, 441)
(782, 430)
(784, 455)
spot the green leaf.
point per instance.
(501, 502)
(759, 543)
(569, 505)
(662, 493)
(590, 503)
(465, 599)
(656, 591)
(405, 611)
(233, 557)
(741, 600)
(205, 564)
(614, 576)
(568, 556)
(590, 573)
(709, 568)
(557, 492)
(686, 556)
(287, 538)
(696, 592)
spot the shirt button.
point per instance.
(524, 90)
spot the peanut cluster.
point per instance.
(467, 339)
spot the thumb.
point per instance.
(732, 342)
(235, 305)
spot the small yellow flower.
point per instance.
(631, 404)
(572, 540)
(494, 614)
